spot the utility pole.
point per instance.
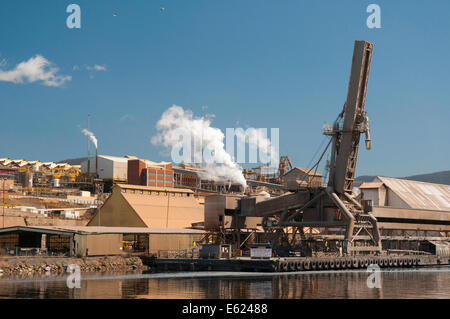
(4, 176)
(3, 203)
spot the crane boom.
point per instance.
(347, 141)
(333, 206)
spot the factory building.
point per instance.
(94, 241)
(30, 174)
(196, 178)
(408, 205)
(109, 167)
(148, 173)
(218, 208)
(163, 174)
(146, 206)
(301, 177)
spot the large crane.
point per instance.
(333, 206)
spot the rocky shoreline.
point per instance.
(55, 265)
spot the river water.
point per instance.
(407, 283)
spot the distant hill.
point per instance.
(442, 177)
(74, 161)
(364, 178)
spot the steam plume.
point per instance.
(221, 166)
(91, 136)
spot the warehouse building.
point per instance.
(94, 241)
(146, 206)
(109, 167)
(301, 177)
(400, 204)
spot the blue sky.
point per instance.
(253, 63)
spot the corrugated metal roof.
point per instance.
(131, 230)
(155, 188)
(420, 194)
(371, 185)
(114, 158)
(108, 230)
(304, 170)
(155, 164)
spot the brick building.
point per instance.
(148, 173)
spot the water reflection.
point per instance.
(422, 283)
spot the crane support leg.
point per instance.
(349, 216)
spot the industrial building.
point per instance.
(408, 205)
(301, 177)
(148, 173)
(146, 206)
(30, 174)
(113, 168)
(94, 241)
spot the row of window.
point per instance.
(157, 193)
(160, 174)
(159, 181)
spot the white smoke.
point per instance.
(257, 139)
(91, 136)
(220, 166)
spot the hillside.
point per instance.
(74, 161)
(442, 177)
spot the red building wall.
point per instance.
(160, 176)
(136, 172)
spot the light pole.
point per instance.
(3, 203)
(4, 177)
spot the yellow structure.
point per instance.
(146, 206)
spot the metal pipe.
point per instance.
(314, 224)
(350, 198)
(375, 230)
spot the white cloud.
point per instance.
(127, 117)
(96, 67)
(35, 69)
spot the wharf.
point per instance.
(290, 264)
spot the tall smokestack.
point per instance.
(96, 162)
(89, 159)
(93, 139)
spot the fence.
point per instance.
(20, 251)
(185, 253)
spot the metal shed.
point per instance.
(94, 240)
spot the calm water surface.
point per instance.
(412, 283)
